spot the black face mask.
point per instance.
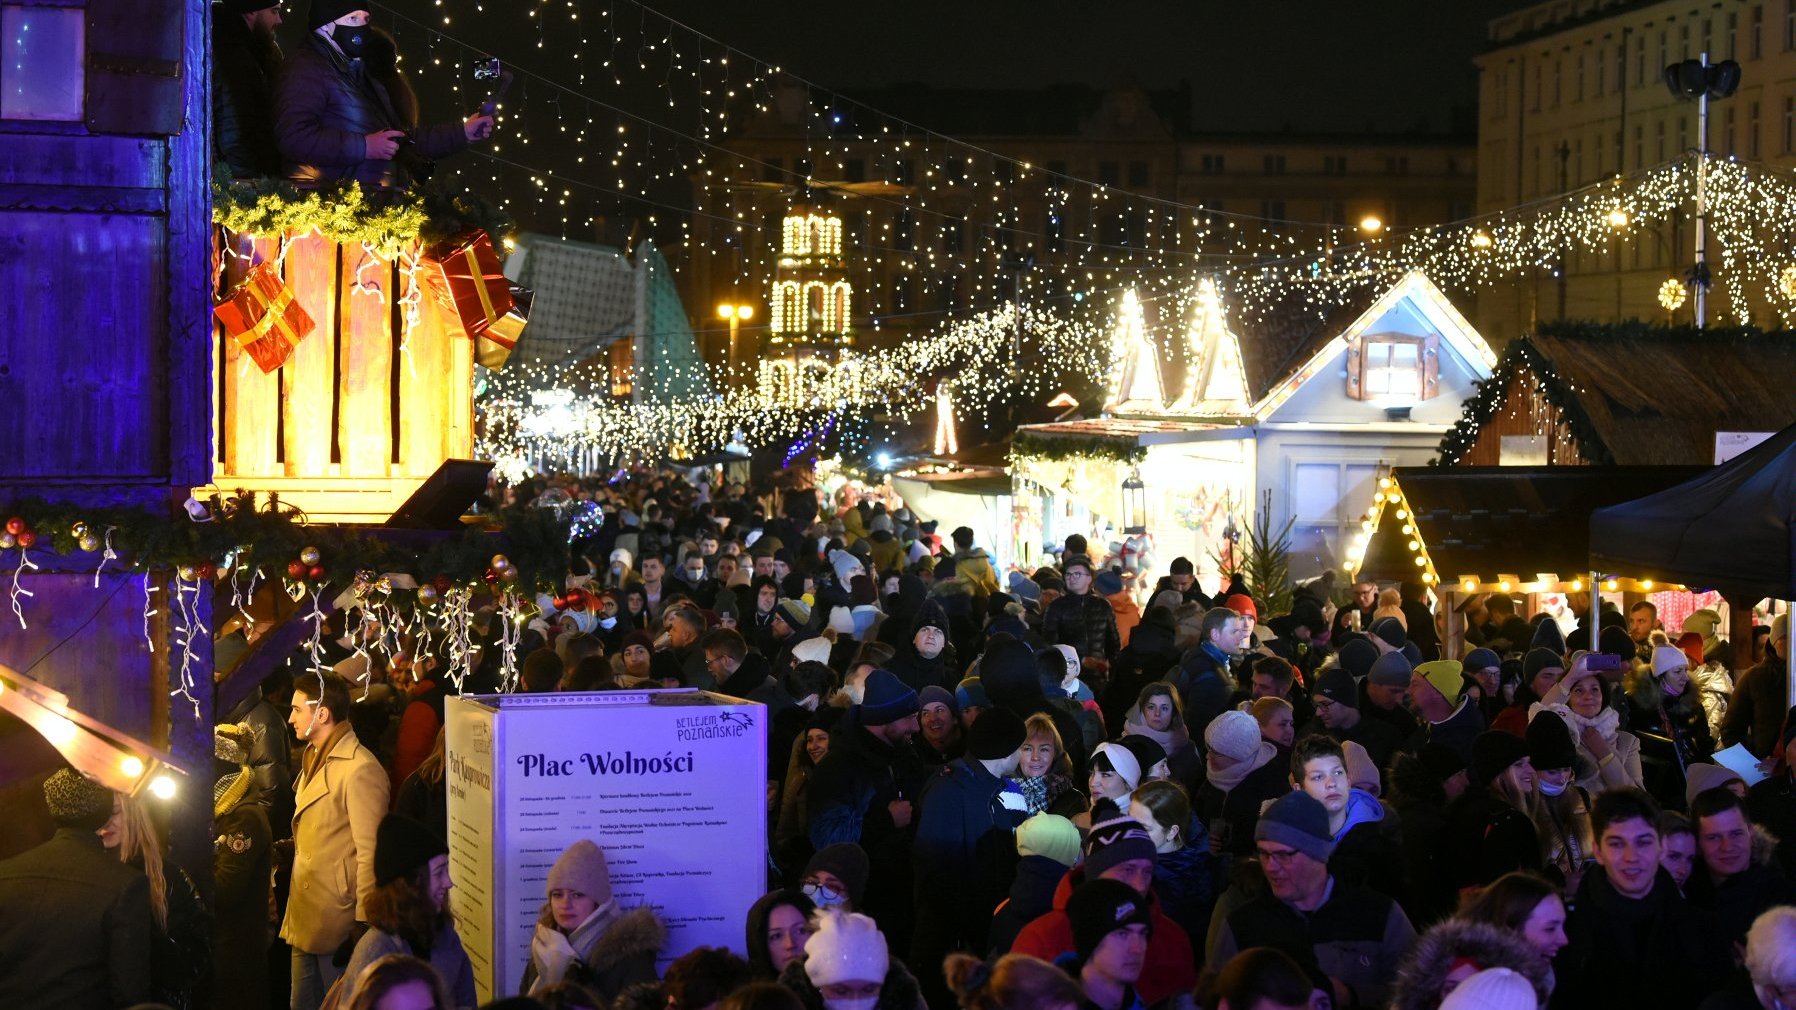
(352, 39)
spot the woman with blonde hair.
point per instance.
(1012, 982)
(1045, 774)
(183, 937)
(400, 982)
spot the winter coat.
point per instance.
(1369, 849)
(241, 855)
(899, 990)
(1627, 953)
(849, 797)
(1357, 936)
(1205, 684)
(1673, 734)
(1185, 884)
(1031, 897)
(1182, 758)
(326, 105)
(244, 68)
(271, 759)
(1456, 731)
(1733, 904)
(1419, 982)
(183, 956)
(1084, 622)
(919, 673)
(974, 566)
(1010, 676)
(621, 956)
(446, 956)
(887, 552)
(76, 931)
(337, 812)
(1420, 804)
(1127, 614)
(424, 801)
(965, 852)
(1756, 713)
(1377, 736)
(753, 681)
(1772, 804)
(1487, 838)
(1168, 970)
(1238, 810)
(1144, 660)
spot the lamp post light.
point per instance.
(1134, 504)
(737, 313)
(1699, 80)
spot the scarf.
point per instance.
(1228, 778)
(314, 755)
(1035, 792)
(555, 952)
(1170, 740)
(1607, 722)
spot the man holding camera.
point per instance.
(337, 122)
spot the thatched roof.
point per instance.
(1636, 394)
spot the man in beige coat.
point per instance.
(339, 800)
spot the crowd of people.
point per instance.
(992, 789)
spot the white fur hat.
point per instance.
(847, 947)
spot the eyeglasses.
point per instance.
(824, 891)
(1278, 857)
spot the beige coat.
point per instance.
(336, 814)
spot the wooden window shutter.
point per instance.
(135, 66)
(1431, 366)
(1355, 388)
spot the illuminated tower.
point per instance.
(811, 319)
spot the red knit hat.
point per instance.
(1241, 603)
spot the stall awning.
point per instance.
(1728, 527)
(1482, 522)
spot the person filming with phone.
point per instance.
(343, 112)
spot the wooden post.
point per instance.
(424, 377)
(460, 391)
(364, 414)
(309, 374)
(251, 395)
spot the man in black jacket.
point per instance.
(245, 61)
(335, 123)
(1082, 618)
(75, 923)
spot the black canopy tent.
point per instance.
(1730, 528)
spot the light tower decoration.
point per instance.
(1138, 387)
(812, 309)
(1215, 382)
(946, 444)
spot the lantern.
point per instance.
(1134, 504)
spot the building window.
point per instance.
(1334, 164)
(1752, 130)
(43, 75)
(1003, 170)
(854, 170)
(1708, 33)
(1789, 124)
(1275, 163)
(1683, 42)
(1109, 173)
(1758, 32)
(1659, 135)
(1601, 57)
(1789, 25)
(1639, 146)
(1640, 62)
(1578, 93)
(1391, 368)
(1137, 174)
(1727, 129)
(1397, 164)
(1272, 210)
(1733, 35)
(1665, 45)
(1558, 80)
(1211, 164)
(1534, 102)
(1577, 176)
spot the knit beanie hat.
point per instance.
(931, 615)
(1147, 751)
(639, 637)
(1701, 776)
(996, 734)
(1393, 669)
(1666, 659)
(1440, 761)
(1100, 907)
(846, 862)
(1115, 841)
(794, 612)
(1233, 734)
(582, 868)
(1357, 656)
(1549, 742)
(1537, 660)
(1390, 631)
(1123, 760)
(76, 801)
(886, 699)
(323, 12)
(970, 693)
(1337, 685)
(1481, 659)
(1361, 767)
(1049, 835)
(1107, 582)
(248, 6)
(1493, 989)
(1241, 603)
(1692, 645)
(1023, 587)
(1493, 751)
(847, 947)
(812, 650)
(935, 694)
(844, 563)
(1615, 642)
(1300, 821)
(403, 845)
(1548, 636)
(1446, 676)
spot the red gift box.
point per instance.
(468, 281)
(263, 316)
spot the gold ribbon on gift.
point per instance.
(479, 278)
(274, 315)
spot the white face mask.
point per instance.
(853, 691)
(607, 623)
(1549, 789)
(858, 1003)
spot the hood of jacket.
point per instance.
(1362, 808)
(637, 931)
(1008, 672)
(1430, 961)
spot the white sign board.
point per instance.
(1729, 444)
(671, 785)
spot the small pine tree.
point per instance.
(1266, 564)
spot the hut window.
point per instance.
(42, 76)
(1391, 368)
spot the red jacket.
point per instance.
(1168, 971)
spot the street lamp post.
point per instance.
(737, 313)
(1700, 80)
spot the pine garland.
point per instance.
(1068, 448)
(386, 223)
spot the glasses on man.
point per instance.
(1277, 857)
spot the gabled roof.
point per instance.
(1635, 393)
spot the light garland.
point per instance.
(1389, 496)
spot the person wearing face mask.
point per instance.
(1560, 810)
(698, 581)
(1668, 717)
(334, 122)
(965, 853)
(1608, 756)
(408, 912)
(836, 877)
(846, 967)
(583, 936)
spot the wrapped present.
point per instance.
(496, 342)
(263, 316)
(468, 281)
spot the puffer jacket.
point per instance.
(325, 106)
(1084, 622)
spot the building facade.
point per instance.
(1572, 92)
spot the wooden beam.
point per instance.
(364, 414)
(309, 377)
